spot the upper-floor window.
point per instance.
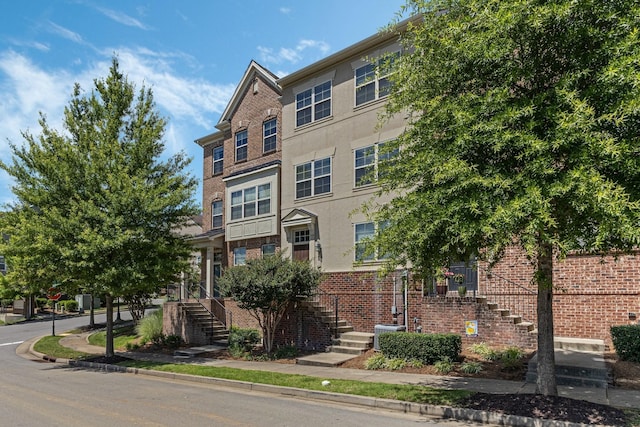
(218, 158)
(313, 178)
(367, 161)
(269, 135)
(372, 80)
(3, 266)
(216, 214)
(313, 104)
(239, 256)
(251, 201)
(363, 233)
(242, 141)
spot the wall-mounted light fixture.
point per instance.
(319, 249)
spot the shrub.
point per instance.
(479, 349)
(626, 342)
(471, 367)
(428, 348)
(286, 352)
(40, 302)
(69, 305)
(415, 363)
(172, 341)
(375, 362)
(510, 358)
(150, 328)
(443, 366)
(395, 364)
(242, 341)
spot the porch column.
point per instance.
(209, 271)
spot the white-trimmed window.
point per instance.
(240, 256)
(242, 141)
(313, 104)
(372, 80)
(268, 249)
(269, 133)
(218, 159)
(313, 178)
(364, 232)
(366, 162)
(216, 214)
(251, 201)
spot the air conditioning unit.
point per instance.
(379, 329)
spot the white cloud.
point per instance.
(30, 44)
(191, 105)
(285, 10)
(27, 90)
(65, 33)
(121, 18)
(292, 55)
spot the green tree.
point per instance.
(266, 286)
(523, 125)
(96, 207)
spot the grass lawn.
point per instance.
(406, 393)
(51, 346)
(121, 337)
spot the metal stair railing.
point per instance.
(330, 301)
(518, 299)
(223, 318)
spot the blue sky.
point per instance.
(191, 53)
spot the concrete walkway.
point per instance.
(610, 396)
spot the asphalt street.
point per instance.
(36, 393)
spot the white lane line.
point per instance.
(11, 343)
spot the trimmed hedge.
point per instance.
(428, 348)
(69, 305)
(626, 342)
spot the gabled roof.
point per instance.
(298, 217)
(253, 70)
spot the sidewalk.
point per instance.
(610, 396)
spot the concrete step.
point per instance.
(344, 329)
(328, 359)
(189, 353)
(361, 345)
(579, 344)
(346, 350)
(358, 336)
(575, 368)
(527, 325)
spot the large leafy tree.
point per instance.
(523, 124)
(265, 287)
(96, 207)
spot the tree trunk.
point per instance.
(546, 380)
(109, 345)
(92, 318)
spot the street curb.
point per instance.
(445, 412)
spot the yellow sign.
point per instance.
(471, 328)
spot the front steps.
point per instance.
(506, 314)
(327, 317)
(212, 330)
(347, 346)
(579, 363)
